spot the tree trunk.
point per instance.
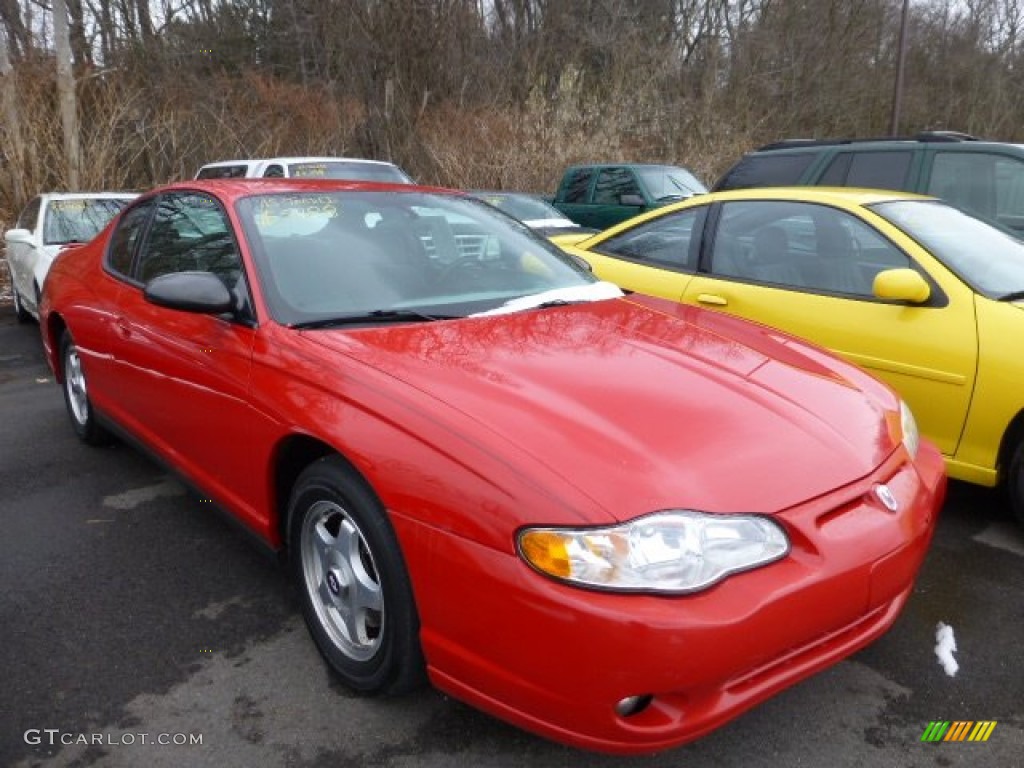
(19, 41)
(80, 48)
(15, 140)
(66, 94)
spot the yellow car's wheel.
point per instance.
(1015, 482)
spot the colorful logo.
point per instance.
(958, 730)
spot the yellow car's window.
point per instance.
(802, 246)
(671, 241)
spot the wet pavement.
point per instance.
(131, 614)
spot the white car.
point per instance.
(351, 168)
(48, 223)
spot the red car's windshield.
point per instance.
(331, 253)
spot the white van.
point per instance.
(351, 168)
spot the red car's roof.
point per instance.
(237, 188)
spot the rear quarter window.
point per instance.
(125, 238)
(766, 170)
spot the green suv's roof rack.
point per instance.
(923, 136)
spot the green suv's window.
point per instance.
(766, 170)
(873, 170)
(988, 185)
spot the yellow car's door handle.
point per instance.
(712, 298)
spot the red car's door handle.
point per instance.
(124, 327)
(712, 298)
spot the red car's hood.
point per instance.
(645, 405)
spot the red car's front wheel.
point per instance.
(355, 592)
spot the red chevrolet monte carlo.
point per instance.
(612, 520)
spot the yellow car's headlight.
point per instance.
(675, 551)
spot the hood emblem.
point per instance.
(884, 495)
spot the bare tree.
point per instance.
(19, 39)
(15, 142)
(80, 49)
(66, 94)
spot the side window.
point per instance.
(671, 241)
(879, 170)
(612, 184)
(766, 170)
(848, 253)
(126, 236)
(990, 186)
(802, 246)
(578, 185)
(30, 215)
(761, 242)
(1010, 192)
(189, 233)
(274, 172)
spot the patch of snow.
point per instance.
(136, 496)
(945, 645)
(1006, 536)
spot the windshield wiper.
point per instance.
(558, 303)
(1012, 296)
(373, 316)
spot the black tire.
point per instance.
(355, 591)
(19, 308)
(1015, 482)
(76, 395)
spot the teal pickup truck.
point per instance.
(602, 195)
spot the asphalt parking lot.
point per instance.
(131, 614)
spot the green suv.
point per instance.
(982, 177)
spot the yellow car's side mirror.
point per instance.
(901, 285)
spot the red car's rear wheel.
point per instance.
(76, 395)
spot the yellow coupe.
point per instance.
(923, 295)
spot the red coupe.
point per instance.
(612, 520)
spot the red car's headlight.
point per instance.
(676, 551)
(908, 426)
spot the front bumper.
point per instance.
(555, 660)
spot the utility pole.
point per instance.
(901, 53)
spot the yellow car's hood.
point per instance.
(572, 238)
